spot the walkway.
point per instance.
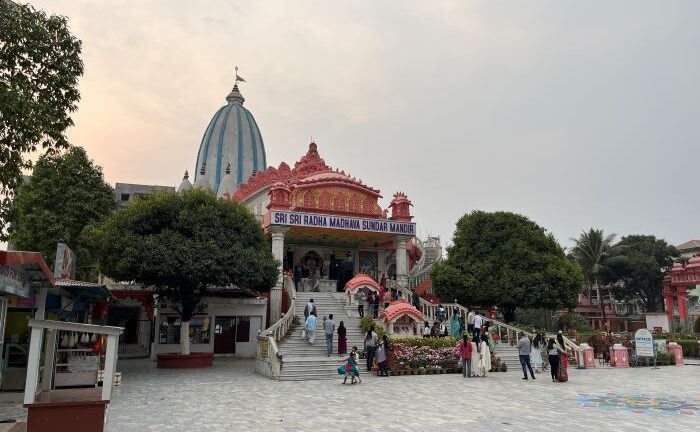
(230, 397)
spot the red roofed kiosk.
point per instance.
(402, 319)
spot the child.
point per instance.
(349, 369)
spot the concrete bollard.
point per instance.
(619, 357)
(588, 356)
(677, 352)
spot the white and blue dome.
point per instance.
(231, 139)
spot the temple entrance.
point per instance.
(225, 335)
(369, 264)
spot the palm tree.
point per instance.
(590, 250)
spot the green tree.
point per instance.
(505, 259)
(182, 244)
(39, 70)
(590, 250)
(65, 193)
(637, 268)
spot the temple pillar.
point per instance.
(402, 261)
(668, 303)
(682, 296)
(277, 233)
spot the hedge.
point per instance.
(690, 347)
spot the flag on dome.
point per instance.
(239, 78)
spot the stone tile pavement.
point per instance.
(230, 397)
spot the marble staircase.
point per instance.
(311, 362)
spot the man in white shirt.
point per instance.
(470, 322)
(478, 322)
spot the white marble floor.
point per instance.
(229, 397)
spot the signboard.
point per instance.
(314, 220)
(64, 267)
(15, 281)
(644, 343)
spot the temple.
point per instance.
(326, 226)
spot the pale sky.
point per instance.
(576, 114)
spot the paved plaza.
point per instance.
(229, 397)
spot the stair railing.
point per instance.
(268, 358)
(507, 333)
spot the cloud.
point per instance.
(575, 114)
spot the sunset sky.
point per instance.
(576, 114)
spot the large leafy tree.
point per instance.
(39, 70)
(637, 268)
(590, 250)
(505, 259)
(182, 244)
(64, 194)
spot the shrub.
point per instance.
(664, 358)
(690, 347)
(444, 342)
(366, 323)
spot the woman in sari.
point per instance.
(455, 327)
(310, 326)
(476, 356)
(484, 355)
(562, 375)
(490, 330)
(342, 339)
(536, 353)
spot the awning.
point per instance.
(22, 271)
(86, 291)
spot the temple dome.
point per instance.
(232, 137)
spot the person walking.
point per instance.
(470, 321)
(297, 276)
(465, 354)
(342, 339)
(476, 356)
(563, 372)
(310, 309)
(383, 356)
(524, 347)
(440, 313)
(381, 297)
(478, 322)
(361, 300)
(329, 327)
(415, 299)
(310, 326)
(553, 356)
(455, 327)
(370, 346)
(536, 353)
(484, 356)
(375, 305)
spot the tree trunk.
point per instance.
(185, 338)
(189, 302)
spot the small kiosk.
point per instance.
(402, 319)
(83, 406)
(360, 283)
